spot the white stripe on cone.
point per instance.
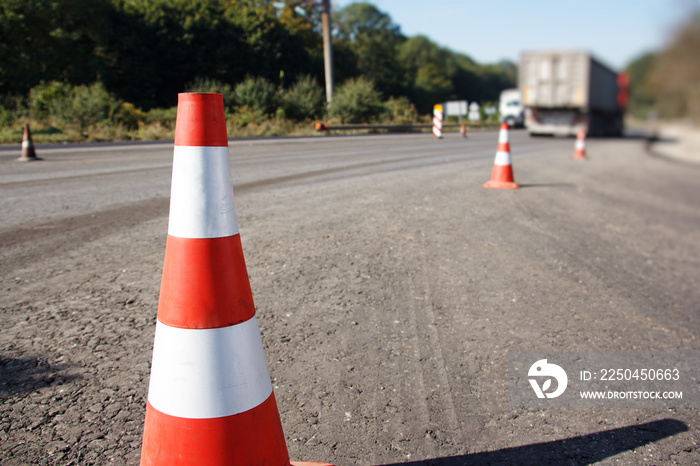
(201, 199)
(502, 158)
(208, 373)
(580, 144)
(503, 136)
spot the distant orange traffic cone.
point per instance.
(580, 145)
(210, 400)
(502, 175)
(463, 130)
(28, 152)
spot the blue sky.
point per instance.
(615, 31)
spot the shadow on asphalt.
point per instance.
(547, 185)
(586, 449)
(19, 376)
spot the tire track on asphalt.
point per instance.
(426, 390)
(423, 396)
(423, 287)
(29, 243)
(48, 179)
(91, 226)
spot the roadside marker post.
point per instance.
(502, 174)
(210, 399)
(438, 116)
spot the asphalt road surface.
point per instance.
(391, 290)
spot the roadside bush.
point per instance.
(304, 100)
(47, 99)
(257, 93)
(356, 101)
(129, 116)
(5, 117)
(154, 132)
(12, 110)
(400, 110)
(218, 87)
(164, 116)
(246, 115)
(81, 106)
(90, 105)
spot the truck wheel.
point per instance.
(510, 121)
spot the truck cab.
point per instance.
(510, 108)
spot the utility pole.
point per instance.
(327, 48)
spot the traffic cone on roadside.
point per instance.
(580, 145)
(210, 400)
(502, 175)
(28, 152)
(463, 130)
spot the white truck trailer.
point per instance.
(563, 90)
(510, 108)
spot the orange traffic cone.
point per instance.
(28, 152)
(463, 130)
(502, 175)
(210, 400)
(580, 145)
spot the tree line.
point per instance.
(146, 51)
(664, 84)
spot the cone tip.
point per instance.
(200, 95)
(504, 125)
(200, 120)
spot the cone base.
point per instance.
(28, 155)
(580, 157)
(502, 178)
(501, 185)
(251, 437)
(302, 463)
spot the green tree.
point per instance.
(437, 74)
(676, 74)
(430, 70)
(146, 51)
(272, 50)
(373, 39)
(306, 30)
(170, 43)
(46, 40)
(641, 92)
